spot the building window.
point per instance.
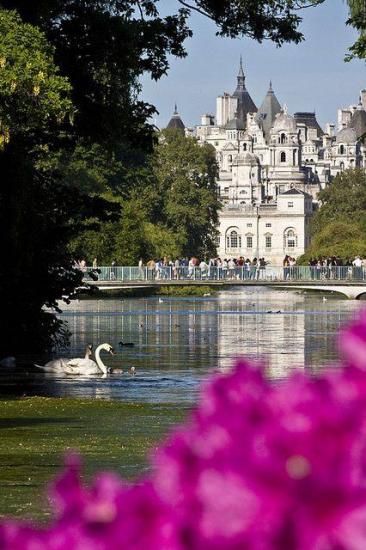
(233, 240)
(243, 192)
(290, 204)
(249, 242)
(230, 158)
(341, 149)
(226, 190)
(290, 238)
(283, 156)
(216, 143)
(283, 138)
(249, 225)
(242, 202)
(268, 241)
(268, 225)
(244, 147)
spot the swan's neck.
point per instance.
(98, 360)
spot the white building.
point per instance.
(272, 166)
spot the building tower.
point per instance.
(176, 123)
(245, 103)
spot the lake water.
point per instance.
(180, 341)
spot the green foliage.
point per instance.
(276, 20)
(172, 214)
(357, 20)
(33, 96)
(343, 200)
(187, 201)
(339, 226)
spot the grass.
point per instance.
(174, 290)
(36, 432)
(185, 290)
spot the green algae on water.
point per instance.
(36, 432)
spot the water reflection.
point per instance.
(179, 341)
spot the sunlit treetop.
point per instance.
(33, 96)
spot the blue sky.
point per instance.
(312, 75)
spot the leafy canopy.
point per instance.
(339, 226)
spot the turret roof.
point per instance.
(267, 112)
(176, 122)
(245, 103)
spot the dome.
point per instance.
(347, 135)
(285, 122)
(176, 123)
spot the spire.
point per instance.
(176, 122)
(245, 102)
(270, 89)
(241, 71)
(241, 76)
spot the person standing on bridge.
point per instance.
(357, 267)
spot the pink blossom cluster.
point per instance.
(258, 466)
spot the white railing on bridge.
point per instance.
(251, 274)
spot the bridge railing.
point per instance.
(243, 273)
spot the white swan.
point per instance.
(59, 365)
(88, 367)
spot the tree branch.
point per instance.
(195, 8)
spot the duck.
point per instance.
(116, 371)
(126, 344)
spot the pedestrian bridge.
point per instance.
(348, 281)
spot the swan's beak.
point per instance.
(112, 351)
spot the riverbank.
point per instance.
(138, 292)
(36, 432)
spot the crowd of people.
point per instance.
(227, 268)
(333, 267)
(240, 268)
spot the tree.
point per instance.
(74, 131)
(38, 211)
(339, 226)
(187, 203)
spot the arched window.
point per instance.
(290, 238)
(283, 156)
(244, 147)
(341, 149)
(283, 138)
(230, 158)
(233, 239)
(342, 166)
(294, 157)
